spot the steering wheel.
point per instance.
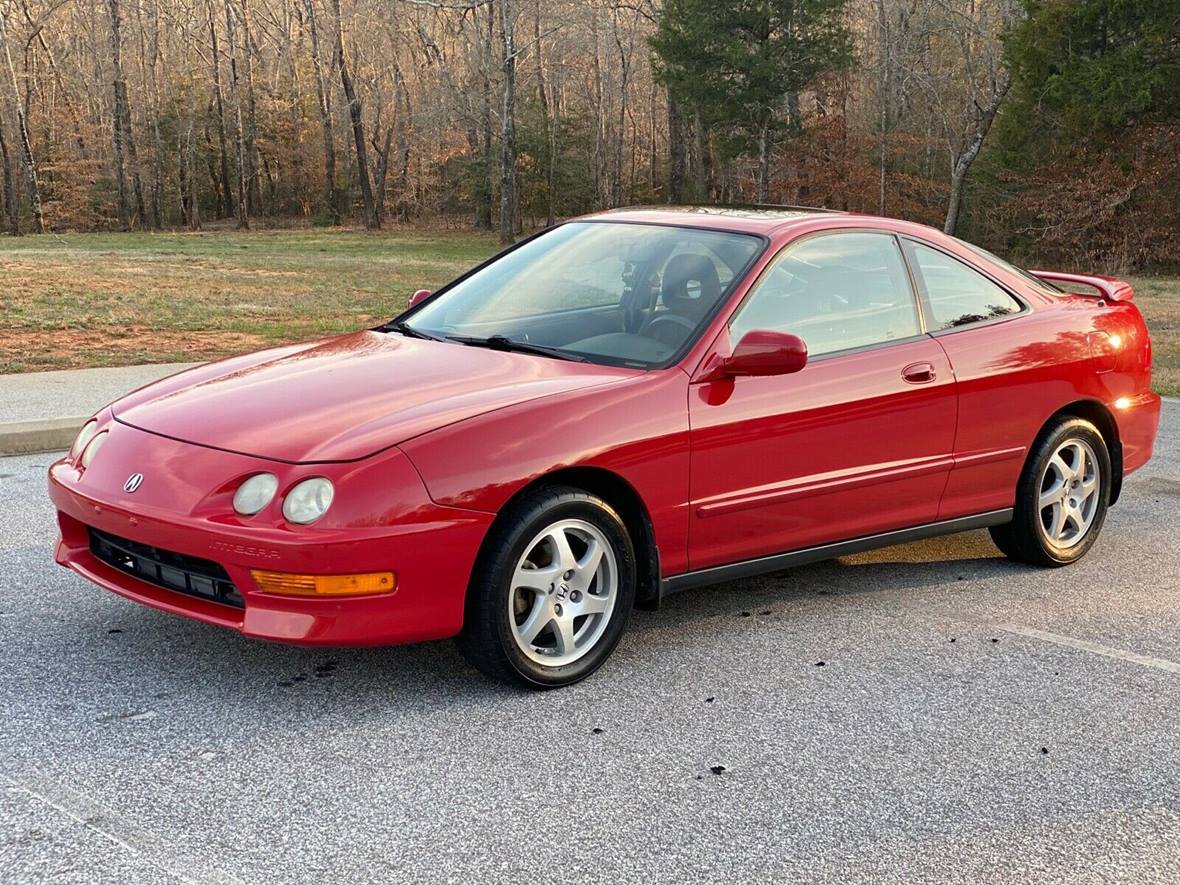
(668, 318)
(638, 307)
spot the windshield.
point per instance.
(610, 292)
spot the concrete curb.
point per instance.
(43, 435)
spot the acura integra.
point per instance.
(617, 408)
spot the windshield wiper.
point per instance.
(502, 342)
(410, 332)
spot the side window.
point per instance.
(836, 292)
(957, 295)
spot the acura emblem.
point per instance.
(133, 482)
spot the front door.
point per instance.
(858, 442)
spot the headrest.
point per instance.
(690, 285)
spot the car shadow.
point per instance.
(179, 659)
(942, 561)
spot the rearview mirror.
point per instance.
(418, 297)
(760, 353)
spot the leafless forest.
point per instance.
(502, 114)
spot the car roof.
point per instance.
(770, 220)
(746, 219)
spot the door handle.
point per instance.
(919, 373)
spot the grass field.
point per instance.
(116, 299)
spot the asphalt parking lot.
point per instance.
(971, 719)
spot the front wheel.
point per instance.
(552, 590)
(1061, 498)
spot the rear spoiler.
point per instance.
(1109, 288)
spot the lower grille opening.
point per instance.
(163, 568)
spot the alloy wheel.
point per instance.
(1070, 493)
(563, 592)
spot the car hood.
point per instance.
(346, 398)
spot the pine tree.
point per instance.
(740, 65)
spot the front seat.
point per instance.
(689, 289)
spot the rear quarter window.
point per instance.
(958, 295)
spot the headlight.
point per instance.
(255, 493)
(308, 501)
(85, 435)
(92, 448)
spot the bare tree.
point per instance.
(676, 152)
(547, 115)
(32, 182)
(122, 136)
(11, 214)
(372, 222)
(988, 81)
(324, 106)
(508, 123)
(244, 170)
(226, 190)
(250, 128)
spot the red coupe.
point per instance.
(617, 408)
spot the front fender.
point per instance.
(636, 429)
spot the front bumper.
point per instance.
(389, 523)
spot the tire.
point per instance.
(1061, 498)
(525, 583)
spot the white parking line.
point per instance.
(95, 816)
(1093, 647)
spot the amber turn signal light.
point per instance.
(284, 584)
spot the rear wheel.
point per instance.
(552, 590)
(1061, 498)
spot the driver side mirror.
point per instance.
(418, 297)
(760, 353)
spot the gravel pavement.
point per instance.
(929, 712)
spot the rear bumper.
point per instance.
(432, 556)
(1138, 419)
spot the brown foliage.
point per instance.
(1116, 208)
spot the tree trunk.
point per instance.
(403, 139)
(707, 172)
(547, 116)
(66, 97)
(764, 163)
(122, 205)
(150, 58)
(194, 202)
(380, 172)
(483, 206)
(239, 128)
(31, 182)
(124, 141)
(358, 126)
(884, 87)
(508, 125)
(324, 102)
(249, 135)
(676, 152)
(10, 209)
(227, 206)
(182, 174)
(621, 132)
(983, 123)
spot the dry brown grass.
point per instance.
(1159, 300)
(116, 299)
